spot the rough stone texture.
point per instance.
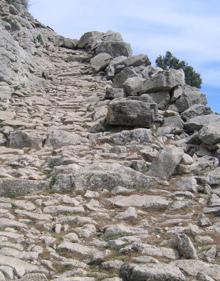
(100, 61)
(156, 272)
(98, 176)
(114, 93)
(20, 139)
(193, 267)
(166, 163)
(5, 91)
(160, 98)
(195, 110)
(89, 39)
(124, 137)
(163, 81)
(133, 85)
(132, 61)
(16, 187)
(20, 267)
(196, 123)
(77, 195)
(110, 70)
(210, 134)
(145, 201)
(131, 113)
(114, 48)
(121, 77)
(59, 138)
(34, 277)
(190, 96)
(185, 247)
(110, 42)
(171, 125)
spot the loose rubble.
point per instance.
(109, 167)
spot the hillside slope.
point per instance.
(109, 167)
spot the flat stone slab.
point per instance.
(193, 267)
(13, 187)
(144, 201)
(155, 272)
(20, 267)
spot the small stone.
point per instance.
(130, 214)
(72, 237)
(185, 247)
(58, 228)
(91, 194)
(204, 221)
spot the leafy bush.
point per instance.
(169, 61)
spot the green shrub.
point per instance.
(169, 61)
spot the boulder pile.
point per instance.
(109, 166)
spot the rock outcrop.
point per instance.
(109, 166)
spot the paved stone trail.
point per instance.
(83, 199)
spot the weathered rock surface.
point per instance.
(104, 175)
(92, 175)
(196, 123)
(166, 163)
(210, 134)
(145, 201)
(190, 96)
(165, 80)
(185, 247)
(158, 272)
(100, 61)
(131, 113)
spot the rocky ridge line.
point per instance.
(109, 167)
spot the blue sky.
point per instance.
(190, 29)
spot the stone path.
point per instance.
(88, 233)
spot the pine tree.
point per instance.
(169, 61)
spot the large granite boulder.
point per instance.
(195, 110)
(90, 39)
(188, 97)
(121, 77)
(133, 85)
(110, 42)
(163, 81)
(132, 61)
(100, 61)
(110, 70)
(114, 48)
(131, 113)
(171, 125)
(114, 93)
(196, 123)
(162, 99)
(210, 134)
(68, 43)
(98, 176)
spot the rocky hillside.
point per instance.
(109, 167)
